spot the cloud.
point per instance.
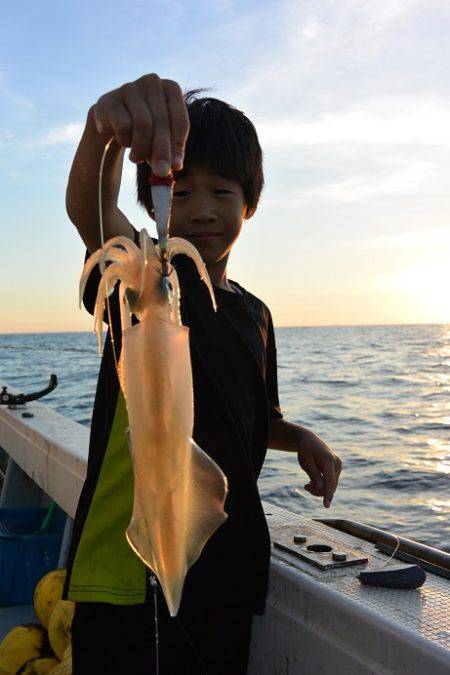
(433, 237)
(410, 178)
(60, 135)
(425, 124)
(350, 102)
(324, 55)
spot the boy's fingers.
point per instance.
(330, 482)
(143, 126)
(338, 468)
(316, 489)
(101, 117)
(150, 116)
(156, 101)
(310, 467)
(179, 121)
(316, 485)
(121, 123)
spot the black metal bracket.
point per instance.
(20, 399)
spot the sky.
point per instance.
(351, 103)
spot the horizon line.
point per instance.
(343, 325)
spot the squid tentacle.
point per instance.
(105, 288)
(175, 315)
(104, 254)
(128, 244)
(148, 252)
(178, 245)
(125, 311)
(115, 255)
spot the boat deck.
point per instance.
(425, 611)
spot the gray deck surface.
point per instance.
(424, 611)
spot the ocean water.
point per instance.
(378, 395)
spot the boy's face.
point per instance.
(205, 203)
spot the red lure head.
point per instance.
(157, 180)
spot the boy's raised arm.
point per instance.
(149, 116)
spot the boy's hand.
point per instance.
(321, 464)
(150, 117)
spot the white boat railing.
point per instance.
(315, 622)
(50, 449)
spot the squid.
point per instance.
(179, 491)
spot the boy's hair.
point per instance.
(221, 139)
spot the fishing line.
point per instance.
(191, 645)
(154, 585)
(393, 552)
(100, 209)
(102, 264)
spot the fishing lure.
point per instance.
(179, 491)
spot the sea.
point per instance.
(379, 396)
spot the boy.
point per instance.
(237, 414)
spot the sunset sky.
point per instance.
(351, 102)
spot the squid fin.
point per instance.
(203, 500)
